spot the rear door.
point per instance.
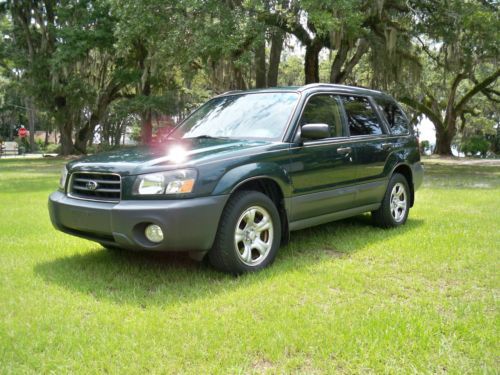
(321, 170)
(371, 145)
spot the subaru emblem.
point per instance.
(91, 185)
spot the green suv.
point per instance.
(243, 171)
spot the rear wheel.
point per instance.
(249, 234)
(395, 206)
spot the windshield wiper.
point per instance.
(206, 136)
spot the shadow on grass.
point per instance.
(159, 279)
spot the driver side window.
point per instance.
(324, 109)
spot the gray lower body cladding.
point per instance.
(187, 224)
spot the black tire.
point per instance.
(228, 253)
(387, 216)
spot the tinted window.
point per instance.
(259, 115)
(323, 109)
(361, 117)
(398, 123)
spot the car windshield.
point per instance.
(241, 116)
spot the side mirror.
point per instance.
(315, 131)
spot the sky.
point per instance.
(426, 131)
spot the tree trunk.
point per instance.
(66, 139)
(341, 68)
(274, 58)
(339, 60)
(146, 127)
(85, 134)
(118, 133)
(31, 122)
(311, 63)
(260, 63)
(496, 144)
(443, 144)
(444, 137)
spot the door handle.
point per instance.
(386, 146)
(344, 150)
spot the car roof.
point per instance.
(312, 88)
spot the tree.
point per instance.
(460, 43)
(63, 51)
(350, 28)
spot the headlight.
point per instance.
(62, 179)
(172, 182)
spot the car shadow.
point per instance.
(159, 279)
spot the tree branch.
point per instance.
(477, 88)
(295, 28)
(422, 108)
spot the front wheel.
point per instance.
(395, 206)
(249, 234)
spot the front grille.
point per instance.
(95, 186)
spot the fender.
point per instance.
(394, 160)
(241, 174)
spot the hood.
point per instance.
(170, 154)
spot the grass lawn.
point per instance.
(343, 297)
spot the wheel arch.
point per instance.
(406, 171)
(268, 186)
(267, 178)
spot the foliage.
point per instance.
(459, 47)
(475, 145)
(424, 146)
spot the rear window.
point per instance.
(398, 123)
(361, 116)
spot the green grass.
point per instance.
(344, 297)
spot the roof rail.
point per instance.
(229, 92)
(336, 85)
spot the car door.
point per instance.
(321, 170)
(371, 148)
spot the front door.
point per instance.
(321, 170)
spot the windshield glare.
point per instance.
(251, 115)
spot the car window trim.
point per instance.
(370, 101)
(297, 121)
(390, 99)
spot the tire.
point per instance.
(249, 234)
(395, 206)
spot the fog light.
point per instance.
(154, 233)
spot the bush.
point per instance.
(53, 148)
(424, 147)
(475, 145)
(40, 145)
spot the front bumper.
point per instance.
(187, 224)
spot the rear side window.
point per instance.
(323, 109)
(398, 123)
(361, 117)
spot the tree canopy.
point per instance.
(86, 66)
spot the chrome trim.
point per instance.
(70, 184)
(335, 86)
(293, 136)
